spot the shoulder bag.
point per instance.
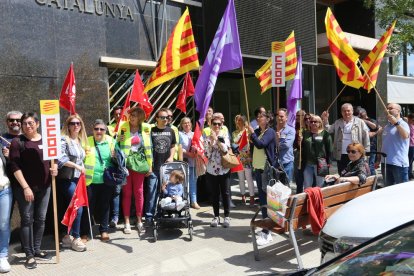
(137, 162)
(113, 176)
(229, 159)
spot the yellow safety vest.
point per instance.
(91, 156)
(111, 129)
(223, 131)
(146, 137)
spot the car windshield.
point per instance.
(391, 255)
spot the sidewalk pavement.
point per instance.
(213, 251)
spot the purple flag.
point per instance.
(295, 92)
(224, 55)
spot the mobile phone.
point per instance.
(221, 139)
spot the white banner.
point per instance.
(50, 122)
(278, 69)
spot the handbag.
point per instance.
(229, 160)
(67, 172)
(113, 175)
(322, 167)
(137, 162)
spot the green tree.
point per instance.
(386, 11)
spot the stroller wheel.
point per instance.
(155, 232)
(190, 232)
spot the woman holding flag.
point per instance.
(135, 136)
(31, 187)
(71, 166)
(240, 137)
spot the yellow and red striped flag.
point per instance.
(291, 60)
(179, 56)
(372, 61)
(343, 55)
(264, 74)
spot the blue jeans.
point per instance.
(395, 174)
(151, 192)
(308, 173)
(6, 197)
(115, 203)
(288, 167)
(32, 219)
(371, 163)
(100, 196)
(193, 185)
(68, 187)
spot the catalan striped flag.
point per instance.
(343, 55)
(264, 74)
(291, 59)
(372, 61)
(179, 56)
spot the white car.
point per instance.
(366, 217)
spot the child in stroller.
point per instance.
(173, 192)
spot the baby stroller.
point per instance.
(173, 216)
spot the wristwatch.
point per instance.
(397, 123)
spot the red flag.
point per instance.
(238, 168)
(243, 140)
(67, 98)
(79, 199)
(186, 91)
(123, 113)
(197, 143)
(138, 95)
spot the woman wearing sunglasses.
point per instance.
(99, 151)
(217, 176)
(32, 187)
(357, 169)
(71, 166)
(316, 145)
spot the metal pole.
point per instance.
(154, 32)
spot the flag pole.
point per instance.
(337, 96)
(277, 99)
(90, 225)
(373, 86)
(300, 135)
(245, 93)
(55, 217)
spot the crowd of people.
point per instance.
(303, 153)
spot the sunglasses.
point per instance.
(163, 117)
(74, 123)
(307, 118)
(13, 120)
(99, 129)
(352, 151)
(31, 123)
(216, 124)
(314, 122)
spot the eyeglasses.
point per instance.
(307, 119)
(313, 122)
(30, 124)
(352, 151)
(74, 123)
(163, 117)
(13, 120)
(216, 124)
(99, 129)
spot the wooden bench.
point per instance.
(296, 215)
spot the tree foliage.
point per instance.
(386, 11)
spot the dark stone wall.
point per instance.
(39, 41)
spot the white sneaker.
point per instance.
(127, 229)
(264, 238)
(226, 222)
(214, 222)
(67, 241)
(78, 245)
(4, 265)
